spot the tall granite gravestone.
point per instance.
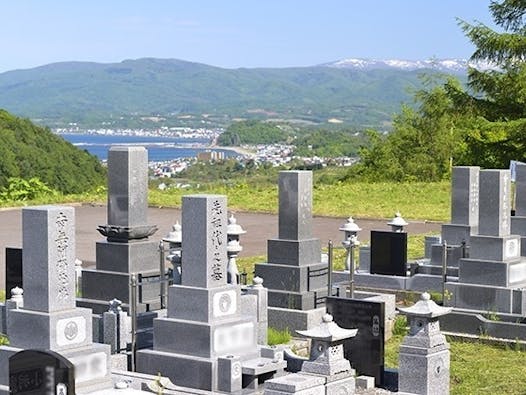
(464, 223)
(518, 221)
(126, 249)
(294, 274)
(49, 319)
(204, 342)
(492, 277)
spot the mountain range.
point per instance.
(357, 92)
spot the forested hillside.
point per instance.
(87, 93)
(28, 151)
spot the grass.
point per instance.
(275, 336)
(430, 201)
(477, 368)
(425, 201)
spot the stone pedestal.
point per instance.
(294, 275)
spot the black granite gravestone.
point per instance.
(13, 269)
(389, 253)
(366, 349)
(33, 372)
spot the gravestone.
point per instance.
(294, 275)
(491, 278)
(204, 331)
(49, 318)
(13, 269)
(41, 372)
(518, 221)
(465, 186)
(127, 248)
(388, 253)
(366, 349)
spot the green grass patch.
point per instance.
(477, 368)
(425, 201)
(275, 336)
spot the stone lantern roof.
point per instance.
(328, 331)
(233, 228)
(398, 221)
(175, 235)
(350, 226)
(425, 307)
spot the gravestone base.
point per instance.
(486, 299)
(205, 340)
(132, 257)
(296, 383)
(455, 234)
(57, 331)
(518, 227)
(294, 320)
(294, 252)
(424, 372)
(494, 273)
(378, 281)
(454, 254)
(493, 248)
(278, 277)
(296, 300)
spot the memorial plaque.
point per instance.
(13, 269)
(389, 253)
(41, 373)
(366, 349)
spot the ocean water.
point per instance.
(159, 148)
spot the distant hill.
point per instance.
(90, 93)
(28, 151)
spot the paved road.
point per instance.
(259, 227)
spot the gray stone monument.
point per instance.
(126, 249)
(424, 353)
(492, 278)
(465, 185)
(48, 318)
(295, 276)
(204, 331)
(518, 222)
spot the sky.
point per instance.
(234, 33)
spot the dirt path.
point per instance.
(259, 227)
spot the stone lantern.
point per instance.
(424, 352)
(326, 355)
(350, 242)
(172, 244)
(397, 223)
(233, 248)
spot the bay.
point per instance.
(159, 148)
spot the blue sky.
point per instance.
(234, 33)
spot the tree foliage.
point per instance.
(253, 132)
(483, 123)
(29, 152)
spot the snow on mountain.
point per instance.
(445, 65)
